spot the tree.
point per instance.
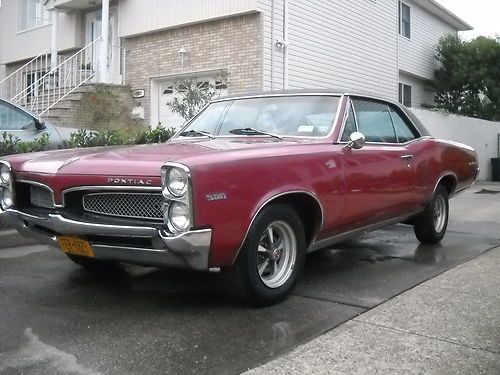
(192, 94)
(468, 81)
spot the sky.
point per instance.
(483, 15)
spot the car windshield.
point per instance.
(277, 116)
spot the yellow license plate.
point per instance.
(76, 246)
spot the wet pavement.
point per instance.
(58, 319)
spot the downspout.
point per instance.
(53, 54)
(286, 45)
(104, 46)
(272, 45)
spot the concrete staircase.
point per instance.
(84, 107)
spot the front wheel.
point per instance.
(271, 260)
(430, 226)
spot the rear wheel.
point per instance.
(430, 226)
(272, 258)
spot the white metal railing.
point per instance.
(50, 87)
(18, 80)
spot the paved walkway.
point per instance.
(447, 325)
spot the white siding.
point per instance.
(422, 94)
(340, 44)
(142, 16)
(417, 54)
(16, 46)
(273, 63)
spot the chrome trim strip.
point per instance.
(357, 232)
(445, 174)
(60, 224)
(9, 185)
(386, 102)
(91, 187)
(278, 196)
(187, 198)
(106, 188)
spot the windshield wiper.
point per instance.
(253, 131)
(196, 133)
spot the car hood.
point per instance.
(142, 160)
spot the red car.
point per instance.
(246, 188)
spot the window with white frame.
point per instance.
(31, 14)
(404, 20)
(405, 94)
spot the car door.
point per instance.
(379, 176)
(18, 123)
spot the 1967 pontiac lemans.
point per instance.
(246, 188)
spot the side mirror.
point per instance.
(40, 124)
(357, 141)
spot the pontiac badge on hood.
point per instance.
(129, 181)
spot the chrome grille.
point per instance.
(128, 205)
(41, 197)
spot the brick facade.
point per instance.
(232, 44)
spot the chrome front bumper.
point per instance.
(187, 250)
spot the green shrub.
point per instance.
(115, 137)
(10, 144)
(158, 135)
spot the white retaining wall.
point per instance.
(480, 134)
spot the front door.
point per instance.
(93, 28)
(379, 177)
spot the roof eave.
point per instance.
(441, 12)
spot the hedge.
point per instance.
(10, 144)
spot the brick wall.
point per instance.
(232, 44)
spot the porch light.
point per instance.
(183, 56)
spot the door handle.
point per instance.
(407, 157)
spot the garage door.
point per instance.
(167, 93)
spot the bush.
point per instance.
(87, 138)
(94, 138)
(12, 145)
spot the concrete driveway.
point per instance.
(55, 318)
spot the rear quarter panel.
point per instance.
(435, 159)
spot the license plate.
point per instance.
(76, 246)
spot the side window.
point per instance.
(404, 131)
(350, 125)
(374, 121)
(12, 118)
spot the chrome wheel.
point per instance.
(430, 225)
(277, 253)
(439, 213)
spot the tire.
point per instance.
(430, 226)
(92, 264)
(271, 259)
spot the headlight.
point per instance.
(178, 216)
(5, 175)
(176, 182)
(7, 199)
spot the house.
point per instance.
(384, 47)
